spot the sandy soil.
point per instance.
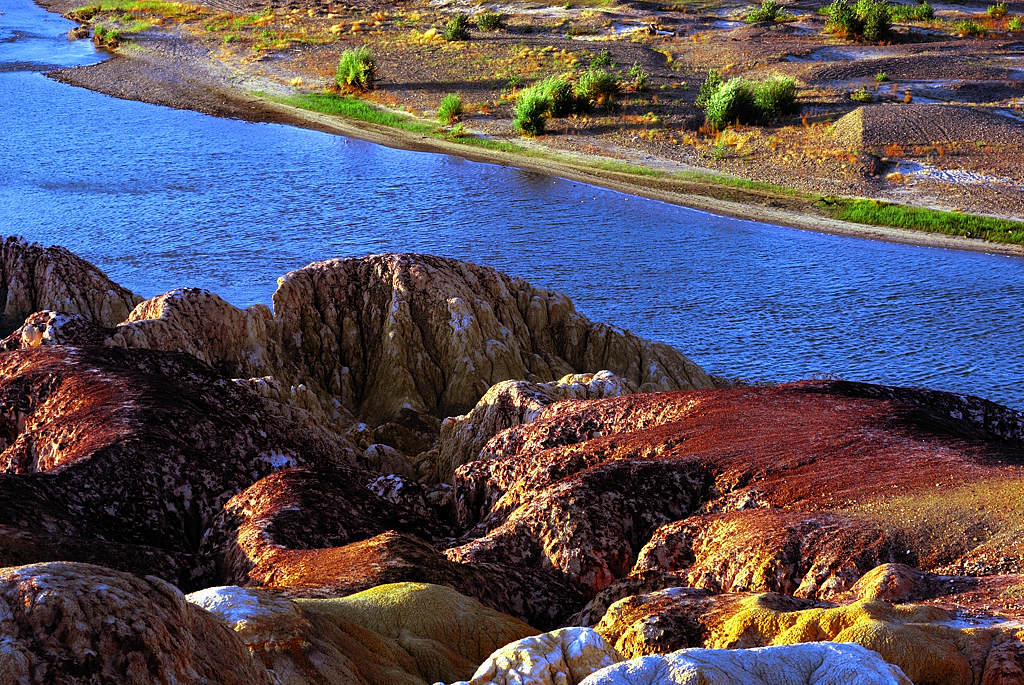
(188, 61)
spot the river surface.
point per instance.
(161, 198)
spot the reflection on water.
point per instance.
(162, 198)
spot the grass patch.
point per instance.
(488, 21)
(158, 7)
(355, 69)
(768, 11)
(450, 109)
(627, 168)
(226, 22)
(353, 108)
(877, 213)
(919, 12)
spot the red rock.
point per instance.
(131, 452)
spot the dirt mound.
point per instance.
(875, 126)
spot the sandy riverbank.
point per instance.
(169, 67)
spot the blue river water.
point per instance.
(161, 198)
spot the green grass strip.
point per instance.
(353, 108)
(876, 213)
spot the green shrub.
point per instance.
(355, 69)
(861, 95)
(711, 84)
(734, 102)
(450, 109)
(597, 87)
(110, 38)
(997, 11)
(1015, 24)
(532, 108)
(639, 76)
(559, 93)
(769, 10)
(919, 12)
(602, 61)
(488, 21)
(875, 15)
(868, 19)
(776, 97)
(457, 28)
(969, 27)
(881, 77)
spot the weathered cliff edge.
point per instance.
(704, 533)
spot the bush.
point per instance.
(997, 11)
(639, 77)
(559, 93)
(711, 84)
(1015, 24)
(861, 95)
(597, 87)
(881, 77)
(744, 101)
(532, 108)
(920, 12)
(602, 61)
(457, 28)
(103, 36)
(450, 109)
(769, 10)
(488, 21)
(868, 19)
(776, 97)
(875, 15)
(969, 27)
(355, 69)
(734, 102)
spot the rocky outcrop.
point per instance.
(901, 583)
(565, 656)
(78, 623)
(927, 643)
(583, 488)
(396, 331)
(34, 278)
(511, 403)
(818, 663)
(318, 533)
(770, 550)
(130, 454)
(398, 634)
(51, 328)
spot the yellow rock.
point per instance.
(395, 634)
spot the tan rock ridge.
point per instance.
(34, 278)
(400, 331)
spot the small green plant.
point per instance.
(355, 69)
(597, 87)
(861, 95)
(603, 60)
(868, 19)
(107, 37)
(639, 76)
(775, 96)
(1015, 24)
(531, 110)
(450, 109)
(711, 84)
(744, 101)
(512, 82)
(969, 27)
(769, 11)
(919, 12)
(733, 102)
(560, 94)
(997, 11)
(881, 77)
(457, 28)
(488, 21)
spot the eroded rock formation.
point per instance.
(396, 634)
(79, 623)
(124, 457)
(33, 278)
